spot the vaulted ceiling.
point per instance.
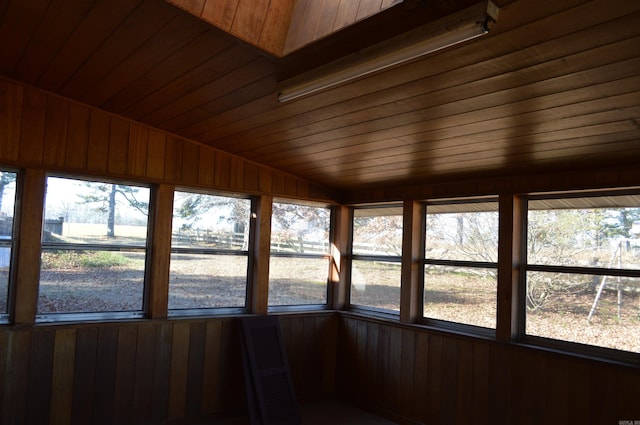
(554, 85)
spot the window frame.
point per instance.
(464, 328)
(5, 317)
(91, 316)
(325, 256)
(558, 345)
(365, 309)
(248, 254)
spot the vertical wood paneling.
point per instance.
(144, 368)
(98, 152)
(179, 370)
(16, 377)
(156, 154)
(42, 344)
(206, 167)
(77, 137)
(125, 374)
(33, 126)
(118, 146)
(105, 381)
(173, 158)
(84, 376)
(219, 12)
(195, 371)
(211, 384)
(56, 127)
(190, 163)
(161, 373)
(420, 377)
(137, 157)
(11, 99)
(63, 376)
(249, 20)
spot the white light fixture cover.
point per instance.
(458, 28)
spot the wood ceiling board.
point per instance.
(219, 65)
(174, 67)
(225, 102)
(545, 121)
(397, 85)
(98, 24)
(21, 19)
(219, 86)
(493, 141)
(54, 28)
(455, 117)
(500, 152)
(134, 32)
(170, 40)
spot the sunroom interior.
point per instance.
(438, 200)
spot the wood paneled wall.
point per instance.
(42, 130)
(283, 26)
(147, 372)
(419, 376)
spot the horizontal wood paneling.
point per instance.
(46, 131)
(146, 372)
(417, 376)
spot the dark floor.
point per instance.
(327, 412)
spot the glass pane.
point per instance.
(461, 295)
(567, 307)
(78, 212)
(586, 237)
(90, 281)
(377, 231)
(207, 281)
(300, 229)
(298, 281)
(5, 260)
(376, 284)
(467, 236)
(7, 204)
(208, 221)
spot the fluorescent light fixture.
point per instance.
(465, 25)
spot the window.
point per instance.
(583, 269)
(461, 254)
(209, 253)
(299, 263)
(93, 249)
(376, 258)
(7, 206)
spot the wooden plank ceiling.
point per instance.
(556, 84)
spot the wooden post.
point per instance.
(412, 262)
(260, 249)
(158, 260)
(26, 270)
(340, 266)
(510, 259)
